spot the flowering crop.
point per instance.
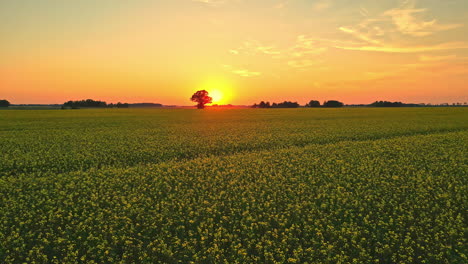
(234, 186)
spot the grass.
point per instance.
(234, 186)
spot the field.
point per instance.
(234, 186)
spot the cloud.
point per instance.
(382, 32)
(428, 58)
(360, 35)
(408, 23)
(211, 2)
(301, 55)
(246, 73)
(255, 47)
(408, 49)
(241, 72)
(305, 63)
(322, 5)
(307, 46)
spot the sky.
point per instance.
(242, 51)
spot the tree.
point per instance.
(333, 103)
(386, 104)
(286, 104)
(4, 103)
(262, 104)
(313, 103)
(84, 103)
(120, 105)
(201, 98)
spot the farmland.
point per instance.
(234, 186)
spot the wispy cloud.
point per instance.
(360, 35)
(307, 46)
(246, 73)
(301, 55)
(306, 64)
(382, 32)
(322, 5)
(429, 58)
(211, 2)
(408, 22)
(255, 47)
(241, 72)
(408, 49)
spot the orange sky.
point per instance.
(243, 51)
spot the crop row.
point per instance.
(41, 142)
(399, 200)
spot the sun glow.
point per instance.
(219, 90)
(217, 96)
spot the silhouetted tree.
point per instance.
(287, 104)
(4, 103)
(313, 103)
(333, 103)
(120, 105)
(201, 98)
(85, 103)
(386, 104)
(148, 105)
(262, 104)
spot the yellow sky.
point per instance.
(243, 51)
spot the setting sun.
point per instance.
(217, 96)
(219, 89)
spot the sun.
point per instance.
(217, 96)
(219, 89)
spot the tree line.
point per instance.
(202, 98)
(289, 104)
(90, 103)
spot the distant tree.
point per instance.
(201, 98)
(386, 104)
(4, 103)
(313, 103)
(147, 105)
(287, 104)
(262, 104)
(333, 103)
(84, 103)
(120, 105)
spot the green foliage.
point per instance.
(234, 186)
